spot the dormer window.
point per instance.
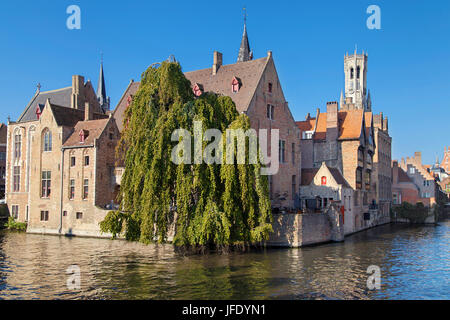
(324, 181)
(235, 85)
(83, 135)
(38, 112)
(198, 90)
(129, 100)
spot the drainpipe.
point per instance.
(62, 189)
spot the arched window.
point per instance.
(324, 181)
(352, 73)
(47, 140)
(17, 145)
(358, 72)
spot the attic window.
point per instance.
(198, 90)
(324, 181)
(235, 85)
(83, 135)
(270, 87)
(38, 112)
(129, 100)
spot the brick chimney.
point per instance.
(418, 157)
(77, 92)
(395, 172)
(218, 60)
(332, 121)
(88, 112)
(385, 124)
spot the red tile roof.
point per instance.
(94, 128)
(350, 124)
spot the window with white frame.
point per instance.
(46, 184)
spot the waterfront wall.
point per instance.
(298, 230)
(71, 226)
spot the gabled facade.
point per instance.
(40, 151)
(424, 180)
(256, 90)
(403, 187)
(320, 187)
(343, 140)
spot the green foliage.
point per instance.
(16, 226)
(415, 213)
(210, 204)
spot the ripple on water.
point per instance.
(414, 263)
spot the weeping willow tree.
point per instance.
(209, 204)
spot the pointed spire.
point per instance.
(244, 51)
(101, 89)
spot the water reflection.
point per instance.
(414, 261)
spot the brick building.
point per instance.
(256, 90)
(354, 141)
(445, 164)
(382, 159)
(403, 187)
(60, 161)
(422, 178)
(343, 140)
(3, 142)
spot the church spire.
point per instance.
(101, 89)
(244, 51)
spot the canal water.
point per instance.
(414, 262)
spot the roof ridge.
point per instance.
(56, 90)
(227, 65)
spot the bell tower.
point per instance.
(355, 70)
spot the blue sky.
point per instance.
(409, 58)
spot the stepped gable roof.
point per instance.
(93, 130)
(248, 72)
(60, 97)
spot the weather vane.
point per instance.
(245, 15)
